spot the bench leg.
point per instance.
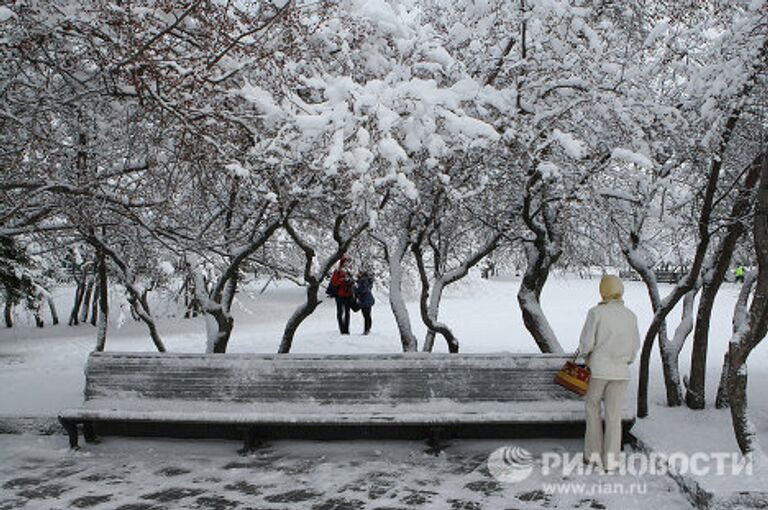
(435, 441)
(627, 437)
(71, 428)
(89, 434)
(249, 440)
(626, 434)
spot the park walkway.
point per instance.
(39, 472)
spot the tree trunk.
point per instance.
(8, 308)
(86, 305)
(703, 224)
(695, 391)
(395, 255)
(670, 351)
(536, 274)
(225, 323)
(314, 279)
(743, 428)
(721, 400)
(687, 283)
(52, 308)
(433, 310)
(95, 305)
(695, 397)
(429, 341)
(755, 328)
(219, 327)
(102, 294)
(37, 312)
(75, 313)
(191, 304)
(669, 357)
(430, 304)
(216, 305)
(670, 369)
(219, 322)
(541, 254)
(136, 298)
(431, 321)
(139, 303)
(739, 318)
(303, 311)
(671, 372)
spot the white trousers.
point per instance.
(605, 447)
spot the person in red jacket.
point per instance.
(342, 282)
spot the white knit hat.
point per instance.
(611, 287)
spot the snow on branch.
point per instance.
(633, 157)
(575, 149)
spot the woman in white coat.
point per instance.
(609, 342)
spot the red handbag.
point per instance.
(573, 377)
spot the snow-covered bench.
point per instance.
(387, 395)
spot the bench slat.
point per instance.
(438, 411)
(396, 382)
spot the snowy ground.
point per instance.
(40, 473)
(42, 373)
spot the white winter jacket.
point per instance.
(610, 340)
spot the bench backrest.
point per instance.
(368, 378)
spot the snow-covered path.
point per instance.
(40, 473)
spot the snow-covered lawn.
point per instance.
(42, 371)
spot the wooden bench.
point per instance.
(661, 276)
(629, 274)
(388, 395)
(668, 276)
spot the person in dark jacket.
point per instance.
(364, 296)
(341, 281)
